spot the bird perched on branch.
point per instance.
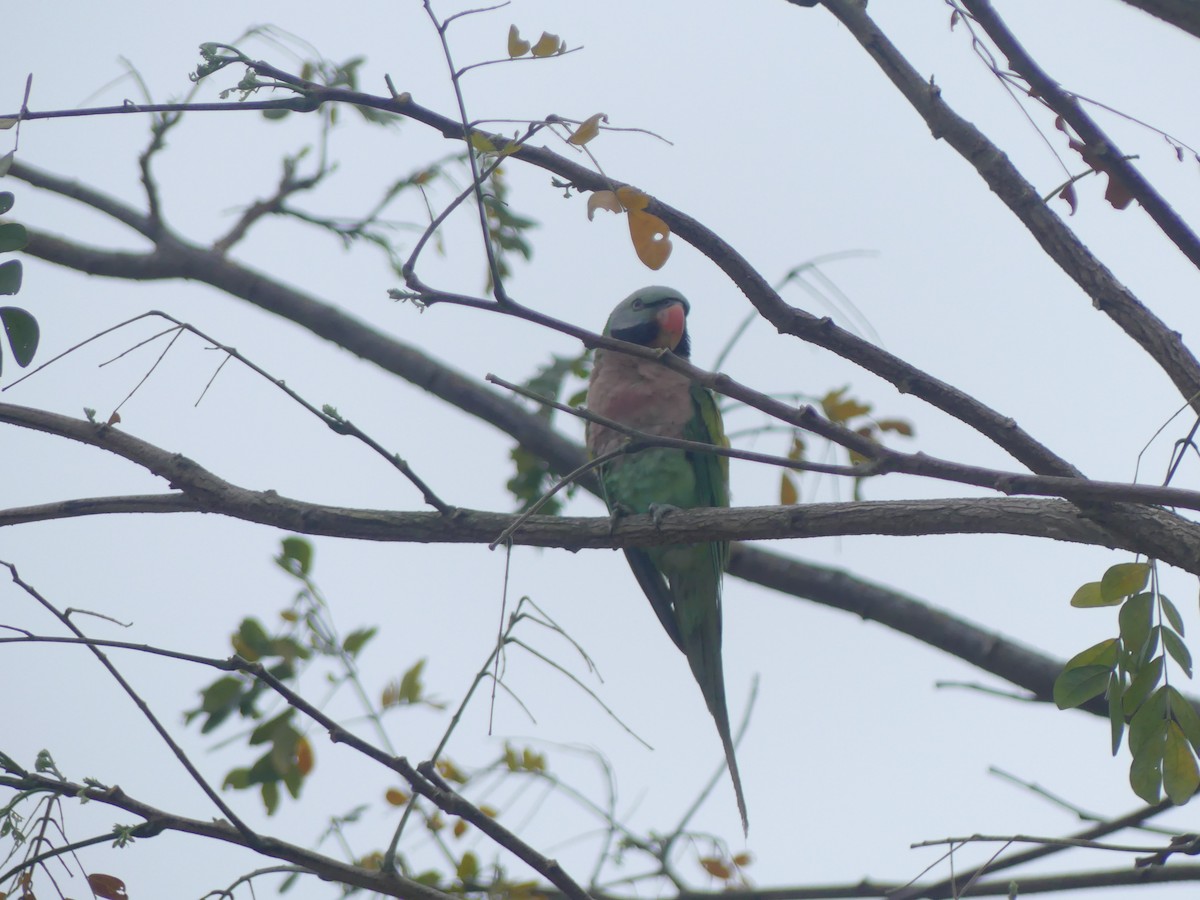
(682, 581)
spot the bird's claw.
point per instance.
(658, 512)
(615, 514)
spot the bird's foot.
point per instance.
(658, 512)
(616, 513)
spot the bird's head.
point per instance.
(653, 317)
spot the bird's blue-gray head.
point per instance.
(653, 316)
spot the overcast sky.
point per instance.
(786, 140)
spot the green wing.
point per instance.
(712, 471)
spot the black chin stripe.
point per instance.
(645, 334)
(684, 350)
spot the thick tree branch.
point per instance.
(209, 493)
(990, 652)
(177, 259)
(1164, 345)
(1183, 14)
(1157, 532)
(986, 650)
(1053, 519)
(1101, 151)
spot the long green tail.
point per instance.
(701, 636)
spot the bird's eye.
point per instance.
(638, 303)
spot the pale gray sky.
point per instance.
(788, 142)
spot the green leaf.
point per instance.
(220, 694)
(1136, 619)
(1185, 714)
(10, 276)
(1074, 687)
(23, 333)
(1142, 685)
(1116, 713)
(276, 730)
(251, 640)
(296, 556)
(1089, 595)
(6, 162)
(238, 779)
(1177, 649)
(6, 201)
(289, 648)
(1149, 723)
(1149, 649)
(270, 796)
(468, 867)
(410, 684)
(13, 236)
(355, 640)
(1145, 773)
(217, 701)
(1179, 773)
(1122, 580)
(1101, 654)
(7, 123)
(1172, 614)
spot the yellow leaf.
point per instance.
(788, 495)
(460, 828)
(603, 200)
(900, 426)
(396, 797)
(107, 886)
(548, 44)
(516, 46)
(6, 124)
(587, 130)
(839, 408)
(651, 238)
(742, 859)
(304, 756)
(450, 771)
(372, 861)
(488, 811)
(716, 868)
(482, 143)
(632, 198)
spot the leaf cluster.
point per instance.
(1131, 672)
(20, 327)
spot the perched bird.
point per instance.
(682, 581)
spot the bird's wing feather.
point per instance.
(712, 471)
(656, 590)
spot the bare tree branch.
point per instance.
(1101, 151)
(158, 821)
(1053, 519)
(1183, 14)
(210, 493)
(1163, 344)
(1099, 830)
(984, 649)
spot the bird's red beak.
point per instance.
(671, 323)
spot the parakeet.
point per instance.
(682, 581)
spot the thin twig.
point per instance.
(226, 811)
